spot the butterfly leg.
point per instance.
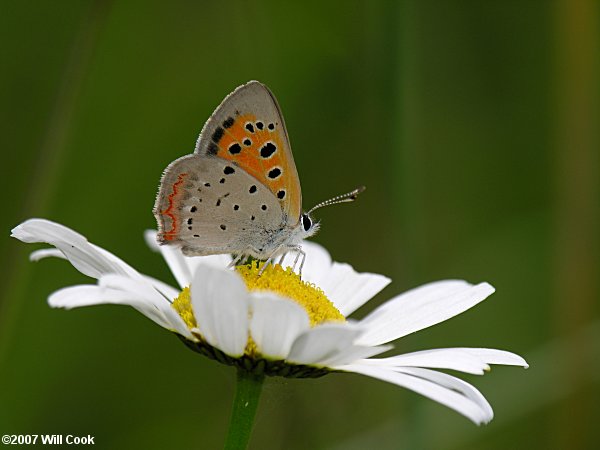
(265, 265)
(234, 262)
(282, 258)
(299, 254)
(243, 256)
(269, 260)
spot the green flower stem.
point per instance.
(247, 393)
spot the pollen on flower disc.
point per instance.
(287, 283)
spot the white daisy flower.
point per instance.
(279, 324)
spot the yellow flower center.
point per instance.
(183, 306)
(284, 282)
(287, 283)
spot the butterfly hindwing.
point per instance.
(248, 129)
(208, 205)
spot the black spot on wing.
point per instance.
(218, 134)
(228, 170)
(274, 173)
(229, 122)
(267, 150)
(235, 148)
(212, 149)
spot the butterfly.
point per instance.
(239, 192)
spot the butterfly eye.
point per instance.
(306, 222)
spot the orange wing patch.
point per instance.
(258, 147)
(170, 211)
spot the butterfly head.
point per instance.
(308, 225)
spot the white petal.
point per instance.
(184, 266)
(317, 263)
(443, 358)
(322, 343)
(494, 356)
(456, 384)
(439, 393)
(85, 257)
(46, 253)
(173, 257)
(167, 291)
(89, 295)
(347, 289)
(421, 308)
(355, 353)
(154, 303)
(276, 323)
(221, 305)
(150, 238)
(140, 288)
(216, 261)
(464, 359)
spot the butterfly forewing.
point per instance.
(248, 130)
(208, 205)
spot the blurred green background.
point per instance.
(473, 124)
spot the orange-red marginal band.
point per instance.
(171, 234)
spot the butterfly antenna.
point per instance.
(344, 198)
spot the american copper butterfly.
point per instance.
(239, 192)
